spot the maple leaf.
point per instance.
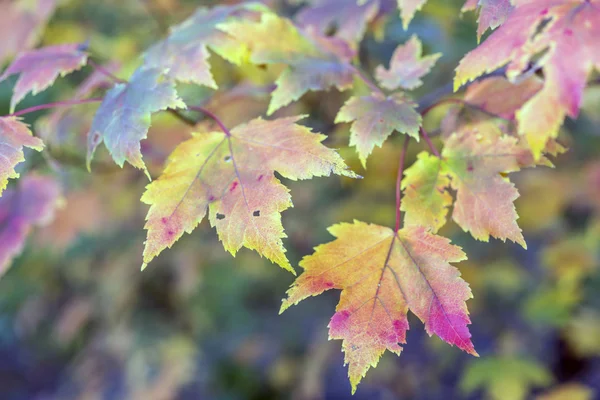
(232, 175)
(382, 274)
(492, 13)
(568, 47)
(22, 22)
(40, 68)
(504, 377)
(407, 66)
(14, 135)
(32, 203)
(408, 9)
(314, 62)
(123, 118)
(501, 97)
(426, 200)
(375, 117)
(184, 53)
(472, 162)
(347, 17)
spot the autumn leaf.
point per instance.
(473, 162)
(14, 136)
(382, 274)
(232, 176)
(348, 18)
(499, 96)
(40, 68)
(426, 198)
(407, 66)
(408, 9)
(568, 44)
(314, 62)
(492, 13)
(31, 203)
(185, 52)
(22, 23)
(504, 378)
(123, 118)
(375, 117)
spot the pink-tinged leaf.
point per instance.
(348, 18)
(569, 47)
(499, 96)
(408, 9)
(314, 62)
(492, 13)
(382, 274)
(31, 203)
(407, 66)
(484, 198)
(40, 68)
(233, 177)
(21, 22)
(375, 117)
(14, 136)
(123, 118)
(185, 52)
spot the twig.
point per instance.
(425, 136)
(54, 105)
(203, 110)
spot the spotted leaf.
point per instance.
(232, 176)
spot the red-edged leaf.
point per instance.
(31, 203)
(14, 135)
(40, 68)
(382, 274)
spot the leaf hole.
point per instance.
(227, 159)
(256, 213)
(220, 216)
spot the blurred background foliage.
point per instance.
(78, 320)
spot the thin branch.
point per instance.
(363, 77)
(454, 100)
(213, 117)
(105, 72)
(425, 136)
(66, 103)
(399, 181)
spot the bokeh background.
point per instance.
(78, 320)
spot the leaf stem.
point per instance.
(363, 77)
(105, 72)
(454, 100)
(399, 182)
(54, 105)
(425, 136)
(212, 116)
